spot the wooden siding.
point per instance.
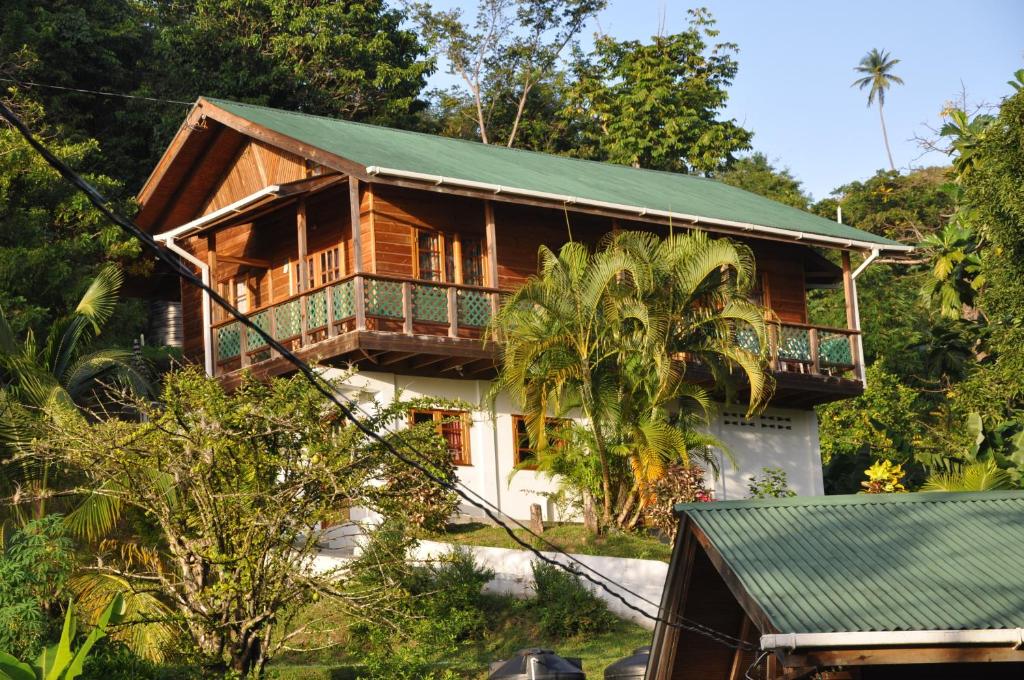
(192, 307)
(781, 271)
(256, 165)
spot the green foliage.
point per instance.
(236, 490)
(563, 605)
(756, 174)
(679, 484)
(883, 476)
(956, 270)
(604, 332)
(60, 661)
(771, 483)
(34, 569)
(52, 242)
(655, 105)
(983, 476)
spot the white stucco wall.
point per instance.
(782, 438)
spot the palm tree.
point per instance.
(978, 476)
(612, 334)
(877, 69)
(61, 374)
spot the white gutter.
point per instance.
(228, 210)
(167, 239)
(1010, 637)
(638, 210)
(856, 310)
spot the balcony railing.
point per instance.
(358, 302)
(803, 348)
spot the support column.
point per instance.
(492, 255)
(358, 286)
(853, 315)
(302, 270)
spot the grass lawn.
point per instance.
(510, 628)
(572, 538)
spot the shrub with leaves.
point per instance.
(34, 571)
(771, 483)
(883, 476)
(680, 484)
(564, 606)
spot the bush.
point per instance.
(563, 605)
(449, 592)
(34, 570)
(771, 483)
(679, 484)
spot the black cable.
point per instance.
(96, 92)
(322, 386)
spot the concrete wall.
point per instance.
(778, 438)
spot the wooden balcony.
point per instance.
(393, 323)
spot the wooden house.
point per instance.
(357, 244)
(863, 587)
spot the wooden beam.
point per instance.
(246, 261)
(665, 643)
(355, 218)
(737, 657)
(492, 245)
(302, 270)
(395, 358)
(886, 656)
(848, 291)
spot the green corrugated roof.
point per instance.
(922, 561)
(371, 145)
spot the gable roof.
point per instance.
(385, 152)
(895, 562)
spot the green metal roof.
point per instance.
(370, 145)
(895, 562)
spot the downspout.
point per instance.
(204, 270)
(856, 312)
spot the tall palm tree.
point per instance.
(612, 334)
(878, 76)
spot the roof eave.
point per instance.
(640, 211)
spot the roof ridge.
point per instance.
(853, 499)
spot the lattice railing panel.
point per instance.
(794, 344)
(834, 349)
(316, 309)
(261, 320)
(229, 342)
(343, 298)
(287, 320)
(384, 298)
(474, 308)
(746, 338)
(429, 303)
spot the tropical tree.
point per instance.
(979, 476)
(612, 334)
(878, 77)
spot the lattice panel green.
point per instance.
(316, 309)
(834, 349)
(287, 320)
(794, 344)
(262, 320)
(474, 308)
(429, 303)
(229, 342)
(384, 298)
(343, 299)
(746, 338)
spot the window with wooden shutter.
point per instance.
(428, 256)
(450, 258)
(525, 455)
(453, 426)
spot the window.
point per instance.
(462, 261)
(525, 456)
(428, 256)
(322, 268)
(453, 426)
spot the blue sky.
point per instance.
(796, 60)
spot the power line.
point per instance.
(327, 390)
(97, 92)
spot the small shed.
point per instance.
(862, 587)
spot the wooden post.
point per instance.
(359, 293)
(243, 344)
(407, 307)
(815, 360)
(492, 247)
(773, 346)
(302, 270)
(329, 296)
(358, 284)
(273, 330)
(536, 519)
(453, 312)
(357, 237)
(850, 297)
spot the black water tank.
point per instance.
(537, 664)
(630, 668)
